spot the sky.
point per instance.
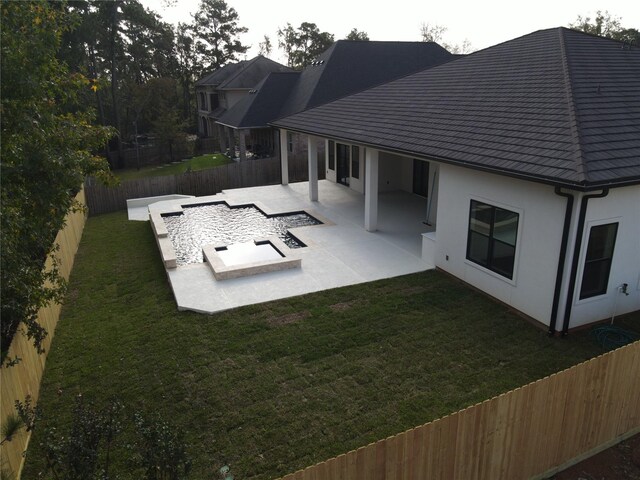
(483, 23)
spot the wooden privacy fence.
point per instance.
(24, 378)
(250, 173)
(528, 432)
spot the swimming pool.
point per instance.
(217, 223)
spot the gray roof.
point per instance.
(556, 105)
(256, 109)
(344, 68)
(245, 74)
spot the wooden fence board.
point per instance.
(101, 199)
(521, 434)
(24, 378)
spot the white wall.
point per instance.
(622, 205)
(539, 236)
(234, 96)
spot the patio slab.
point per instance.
(336, 255)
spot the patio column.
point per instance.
(371, 190)
(284, 157)
(223, 140)
(312, 144)
(232, 142)
(243, 145)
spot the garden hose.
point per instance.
(611, 337)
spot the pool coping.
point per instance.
(221, 271)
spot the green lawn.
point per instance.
(272, 388)
(201, 162)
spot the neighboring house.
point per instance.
(222, 89)
(529, 154)
(344, 68)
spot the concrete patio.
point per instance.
(336, 255)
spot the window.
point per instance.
(203, 101)
(290, 142)
(597, 264)
(355, 162)
(491, 241)
(213, 101)
(332, 155)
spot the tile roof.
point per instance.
(344, 68)
(556, 105)
(242, 75)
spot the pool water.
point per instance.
(219, 224)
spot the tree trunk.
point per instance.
(114, 82)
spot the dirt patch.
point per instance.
(287, 319)
(412, 291)
(341, 307)
(620, 462)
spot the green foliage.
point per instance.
(46, 151)
(355, 34)
(85, 451)
(265, 46)
(435, 33)
(275, 387)
(606, 25)
(304, 44)
(216, 31)
(99, 437)
(161, 449)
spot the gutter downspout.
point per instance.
(576, 256)
(561, 258)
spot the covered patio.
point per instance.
(339, 253)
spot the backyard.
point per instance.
(201, 162)
(272, 388)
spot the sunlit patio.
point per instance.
(340, 252)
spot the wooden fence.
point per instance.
(527, 433)
(24, 378)
(266, 171)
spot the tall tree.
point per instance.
(303, 44)
(216, 32)
(355, 34)
(265, 46)
(187, 65)
(434, 33)
(606, 25)
(119, 43)
(45, 153)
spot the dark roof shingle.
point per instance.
(344, 68)
(556, 105)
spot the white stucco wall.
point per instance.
(541, 217)
(231, 97)
(622, 205)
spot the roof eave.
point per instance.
(580, 186)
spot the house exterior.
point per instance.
(220, 90)
(344, 68)
(529, 155)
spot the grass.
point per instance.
(201, 162)
(272, 388)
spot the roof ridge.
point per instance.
(581, 167)
(241, 69)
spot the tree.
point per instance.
(45, 154)
(303, 44)
(216, 31)
(606, 25)
(265, 46)
(434, 33)
(355, 34)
